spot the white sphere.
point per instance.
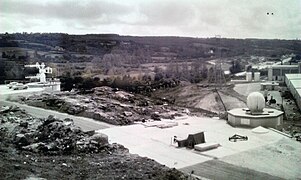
(256, 102)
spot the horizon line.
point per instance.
(177, 36)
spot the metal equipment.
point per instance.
(237, 137)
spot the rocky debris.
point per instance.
(48, 136)
(155, 116)
(4, 109)
(295, 131)
(50, 148)
(105, 104)
(127, 113)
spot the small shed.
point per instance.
(194, 139)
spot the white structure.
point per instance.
(249, 76)
(256, 115)
(54, 85)
(277, 72)
(42, 72)
(257, 76)
(293, 82)
(271, 86)
(256, 102)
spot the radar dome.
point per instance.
(256, 102)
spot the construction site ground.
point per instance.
(205, 98)
(238, 160)
(254, 158)
(51, 148)
(87, 124)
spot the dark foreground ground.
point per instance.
(32, 148)
(22, 165)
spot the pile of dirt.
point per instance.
(104, 104)
(56, 149)
(202, 98)
(49, 136)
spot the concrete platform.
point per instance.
(281, 159)
(157, 143)
(216, 169)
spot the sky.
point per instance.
(272, 19)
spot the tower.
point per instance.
(217, 76)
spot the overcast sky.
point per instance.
(194, 18)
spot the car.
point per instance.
(11, 84)
(19, 86)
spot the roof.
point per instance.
(285, 66)
(270, 83)
(296, 83)
(293, 76)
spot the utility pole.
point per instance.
(219, 76)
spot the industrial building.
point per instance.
(293, 82)
(277, 72)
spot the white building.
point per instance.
(53, 85)
(249, 76)
(293, 82)
(257, 76)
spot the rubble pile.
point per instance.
(104, 104)
(294, 130)
(50, 148)
(48, 136)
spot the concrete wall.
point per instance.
(53, 88)
(269, 87)
(273, 122)
(298, 100)
(270, 74)
(257, 76)
(249, 76)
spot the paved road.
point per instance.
(216, 169)
(86, 124)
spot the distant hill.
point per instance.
(181, 47)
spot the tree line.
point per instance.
(143, 86)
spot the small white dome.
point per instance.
(255, 102)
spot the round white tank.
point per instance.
(256, 102)
(257, 76)
(249, 76)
